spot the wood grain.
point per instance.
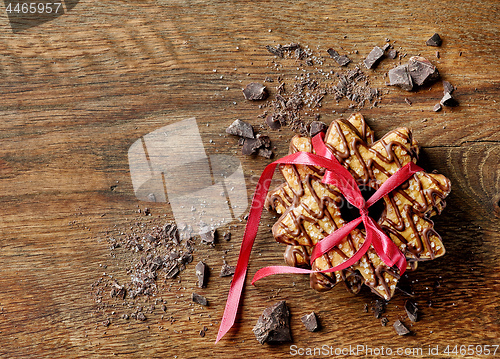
(77, 91)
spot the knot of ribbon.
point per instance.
(338, 176)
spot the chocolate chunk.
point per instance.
(400, 76)
(227, 270)
(400, 328)
(384, 321)
(373, 57)
(421, 70)
(437, 107)
(241, 128)
(208, 236)
(273, 325)
(273, 123)
(435, 40)
(250, 146)
(392, 54)
(310, 322)
(202, 274)
(265, 152)
(255, 91)
(317, 127)
(448, 100)
(447, 88)
(411, 310)
(342, 60)
(227, 236)
(199, 299)
(378, 308)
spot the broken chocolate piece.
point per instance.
(435, 40)
(227, 270)
(317, 127)
(378, 308)
(437, 107)
(342, 60)
(411, 310)
(448, 100)
(250, 146)
(265, 152)
(273, 123)
(400, 328)
(202, 274)
(400, 76)
(310, 322)
(421, 70)
(447, 88)
(265, 141)
(255, 91)
(273, 325)
(199, 299)
(241, 128)
(209, 236)
(392, 54)
(373, 57)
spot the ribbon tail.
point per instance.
(267, 271)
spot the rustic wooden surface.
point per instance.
(77, 91)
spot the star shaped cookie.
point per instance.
(310, 209)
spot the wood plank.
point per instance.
(77, 91)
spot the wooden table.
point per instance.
(78, 90)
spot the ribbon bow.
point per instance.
(338, 176)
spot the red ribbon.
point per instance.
(336, 175)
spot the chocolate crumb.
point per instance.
(273, 123)
(447, 88)
(273, 326)
(435, 40)
(310, 322)
(317, 127)
(392, 54)
(448, 100)
(411, 310)
(255, 91)
(140, 316)
(378, 308)
(400, 328)
(342, 60)
(373, 57)
(264, 152)
(407, 100)
(437, 107)
(241, 128)
(384, 321)
(400, 76)
(208, 237)
(227, 270)
(202, 333)
(227, 236)
(202, 273)
(199, 299)
(277, 51)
